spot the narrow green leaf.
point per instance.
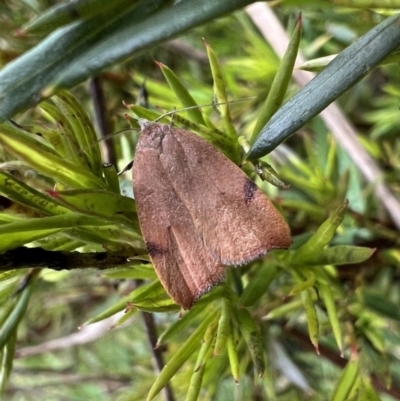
(179, 325)
(307, 182)
(223, 104)
(146, 114)
(40, 157)
(106, 234)
(312, 320)
(8, 218)
(6, 291)
(233, 358)
(7, 294)
(111, 178)
(82, 128)
(16, 239)
(303, 206)
(18, 191)
(223, 328)
(331, 159)
(182, 94)
(146, 290)
(343, 72)
(252, 336)
(342, 255)
(218, 138)
(197, 378)
(53, 222)
(9, 327)
(343, 184)
(281, 82)
(137, 271)
(7, 359)
(258, 284)
(284, 309)
(267, 173)
(180, 356)
(129, 312)
(376, 338)
(316, 64)
(329, 301)
(96, 202)
(324, 234)
(304, 284)
(202, 358)
(97, 230)
(67, 12)
(159, 304)
(367, 391)
(63, 139)
(347, 380)
(60, 244)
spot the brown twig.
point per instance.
(23, 258)
(158, 359)
(101, 115)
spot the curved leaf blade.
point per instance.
(97, 43)
(342, 73)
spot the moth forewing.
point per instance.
(198, 211)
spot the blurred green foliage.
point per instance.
(291, 316)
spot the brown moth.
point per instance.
(198, 211)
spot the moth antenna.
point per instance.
(171, 123)
(197, 106)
